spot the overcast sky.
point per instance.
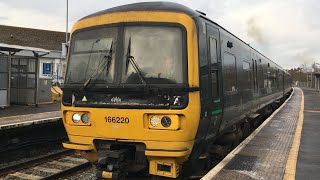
(286, 31)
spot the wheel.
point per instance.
(246, 130)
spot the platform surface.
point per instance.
(308, 165)
(16, 116)
(264, 154)
(16, 110)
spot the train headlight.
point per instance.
(85, 118)
(166, 121)
(76, 117)
(154, 121)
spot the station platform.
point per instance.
(285, 146)
(18, 116)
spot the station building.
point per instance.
(30, 62)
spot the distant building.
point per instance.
(30, 62)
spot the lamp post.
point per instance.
(67, 23)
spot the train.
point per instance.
(157, 88)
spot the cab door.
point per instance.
(215, 81)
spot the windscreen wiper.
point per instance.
(130, 59)
(106, 58)
(89, 60)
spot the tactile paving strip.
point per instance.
(265, 156)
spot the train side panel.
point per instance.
(249, 80)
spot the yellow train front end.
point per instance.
(121, 108)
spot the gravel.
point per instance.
(87, 174)
(28, 153)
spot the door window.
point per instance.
(214, 67)
(213, 53)
(247, 71)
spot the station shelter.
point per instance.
(28, 72)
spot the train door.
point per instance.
(215, 87)
(255, 75)
(283, 83)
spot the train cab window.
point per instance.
(88, 49)
(229, 72)
(158, 51)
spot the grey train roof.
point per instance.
(147, 6)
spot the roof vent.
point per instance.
(201, 12)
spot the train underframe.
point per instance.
(116, 160)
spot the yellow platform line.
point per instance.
(290, 171)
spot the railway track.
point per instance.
(51, 166)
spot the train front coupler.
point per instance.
(112, 164)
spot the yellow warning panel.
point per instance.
(166, 167)
(56, 93)
(107, 175)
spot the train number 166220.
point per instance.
(112, 119)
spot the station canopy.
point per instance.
(17, 48)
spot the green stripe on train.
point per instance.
(216, 112)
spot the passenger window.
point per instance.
(246, 66)
(229, 72)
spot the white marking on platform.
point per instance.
(251, 174)
(312, 111)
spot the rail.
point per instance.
(53, 166)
